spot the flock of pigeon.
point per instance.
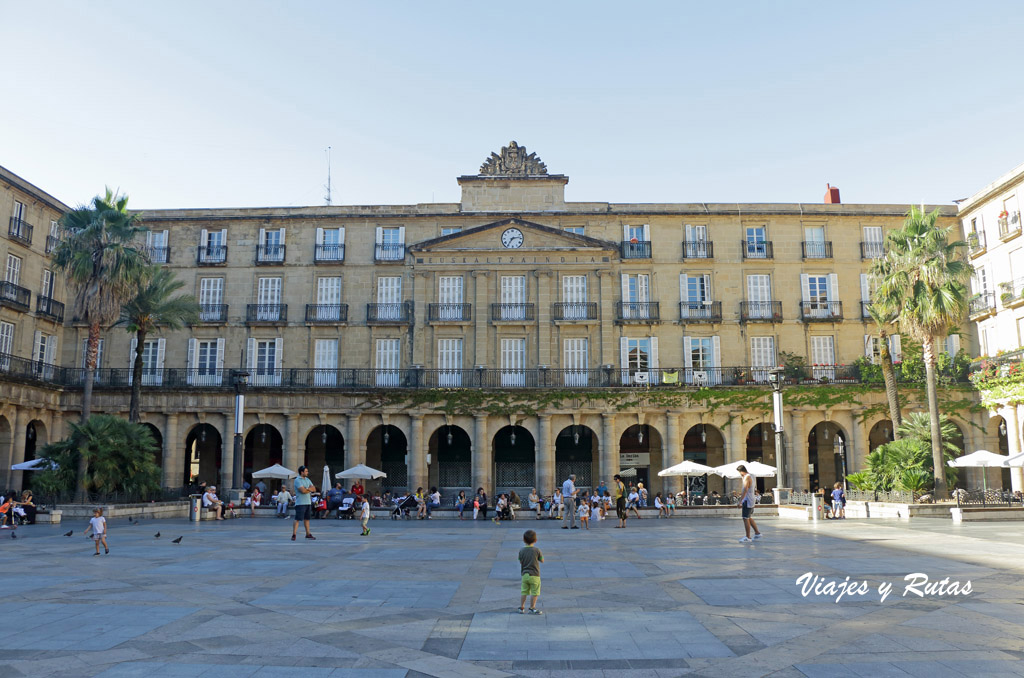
(133, 521)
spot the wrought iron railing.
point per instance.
(872, 249)
(575, 310)
(48, 308)
(213, 313)
(757, 249)
(389, 252)
(761, 311)
(383, 314)
(637, 311)
(14, 296)
(266, 313)
(439, 313)
(20, 230)
(635, 249)
(817, 249)
(700, 311)
(51, 243)
(326, 313)
(513, 312)
(995, 498)
(270, 254)
(821, 311)
(698, 249)
(1009, 225)
(982, 303)
(158, 255)
(211, 255)
(323, 253)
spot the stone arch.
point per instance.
(705, 444)
(203, 446)
(263, 447)
(451, 461)
(158, 439)
(821, 453)
(387, 449)
(997, 429)
(576, 452)
(325, 446)
(640, 447)
(515, 459)
(881, 433)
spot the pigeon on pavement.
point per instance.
(13, 536)
(178, 540)
(69, 533)
(156, 536)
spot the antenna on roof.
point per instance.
(327, 198)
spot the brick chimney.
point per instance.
(832, 195)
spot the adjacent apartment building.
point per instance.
(500, 342)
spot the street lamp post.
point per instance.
(241, 381)
(839, 447)
(782, 489)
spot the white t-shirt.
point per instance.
(208, 498)
(595, 514)
(435, 498)
(557, 499)
(633, 496)
(365, 511)
(584, 510)
(283, 497)
(657, 503)
(98, 524)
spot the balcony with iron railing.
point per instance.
(700, 311)
(760, 311)
(449, 313)
(1009, 226)
(326, 313)
(323, 254)
(821, 311)
(637, 312)
(14, 296)
(270, 255)
(50, 309)
(512, 313)
(816, 249)
(872, 249)
(1012, 293)
(635, 249)
(270, 314)
(158, 255)
(981, 305)
(698, 249)
(213, 313)
(574, 310)
(51, 243)
(211, 255)
(976, 243)
(387, 251)
(20, 231)
(757, 250)
(389, 314)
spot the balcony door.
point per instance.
(389, 297)
(513, 362)
(325, 361)
(387, 361)
(757, 243)
(823, 358)
(449, 294)
(762, 357)
(636, 295)
(449, 363)
(701, 356)
(513, 297)
(328, 299)
(759, 294)
(268, 297)
(211, 297)
(575, 361)
(574, 296)
(696, 295)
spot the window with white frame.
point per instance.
(330, 244)
(44, 354)
(325, 362)
(575, 361)
(449, 297)
(513, 298)
(814, 242)
(328, 298)
(211, 299)
(390, 243)
(6, 344)
(951, 345)
(13, 272)
(268, 299)
(636, 295)
(98, 377)
(451, 230)
(695, 294)
(265, 359)
(386, 362)
(695, 243)
(513, 362)
(636, 241)
(205, 361)
(389, 297)
(823, 358)
(152, 361)
(156, 246)
(873, 348)
(449, 363)
(756, 242)
(271, 244)
(46, 288)
(19, 211)
(874, 245)
(213, 246)
(759, 296)
(578, 230)
(762, 357)
(818, 291)
(701, 358)
(574, 297)
(639, 358)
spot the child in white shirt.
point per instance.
(556, 506)
(661, 506)
(584, 512)
(364, 514)
(98, 525)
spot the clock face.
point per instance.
(512, 238)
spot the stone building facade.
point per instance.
(502, 341)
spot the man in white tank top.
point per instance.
(747, 505)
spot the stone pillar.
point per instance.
(57, 424)
(483, 458)
(227, 449)
(606, 309)
(482, 312)
(355, 446)
(544, 316)
(417, 471)
(1013, 442)
(796, 447)
(671, 484)
(171, 471)
(421, 281)
(292, 455)
(342, 425)
(609, 449)
(735, 448)
(21, 419)
(545, 455)
(857, 453)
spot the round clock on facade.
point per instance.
(512, 238)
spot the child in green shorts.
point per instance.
(530, 559)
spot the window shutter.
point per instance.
(263, 237)
(401, 234)
(654, 353)
(203, 238)
(149, 238)
(953, 344)
(868, 340)
(51, 350)
(625, 232)
(687, 355)
(281, 231)
(716, 351)
(224, 237)
(805, 287)
(278, 348)
(682, 289)
(161, 345)
(319, 236)
(36, 338)
(625, 287)
(706, 293)
(643, 287)
(896, 348)
(190, 364)
(688, 233)
(833, 287)
(220, 356)
(341, 235)
(865, 287)
(379, 235)
(251, 356)
(623, 352)
(647, 232)
(167, 241)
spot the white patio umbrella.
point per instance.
(686, 469)
(1016, 461)
(276, 471)
(361, 471)
(628, 473)
(980, 459)
(754, 468)
(34, 465)
(325, 482)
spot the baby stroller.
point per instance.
(347, 508)
(403, 505)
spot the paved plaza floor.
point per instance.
(661, 598)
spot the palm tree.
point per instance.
(882, 323)
(923, 283)
(102, 267)
(154, 306)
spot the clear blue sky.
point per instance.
(213, 104)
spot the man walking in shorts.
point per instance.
(303, 505)
(747, 505)
(569, 499)
(620, 500)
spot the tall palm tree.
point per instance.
(102, 267)
(923, 281)
(153, 305)
(882, 322)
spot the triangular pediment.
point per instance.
(536, 237)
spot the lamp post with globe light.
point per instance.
(241, 381)
(782, 489)
(839, 447)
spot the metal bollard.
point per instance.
(816, 507)
(195, 505)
